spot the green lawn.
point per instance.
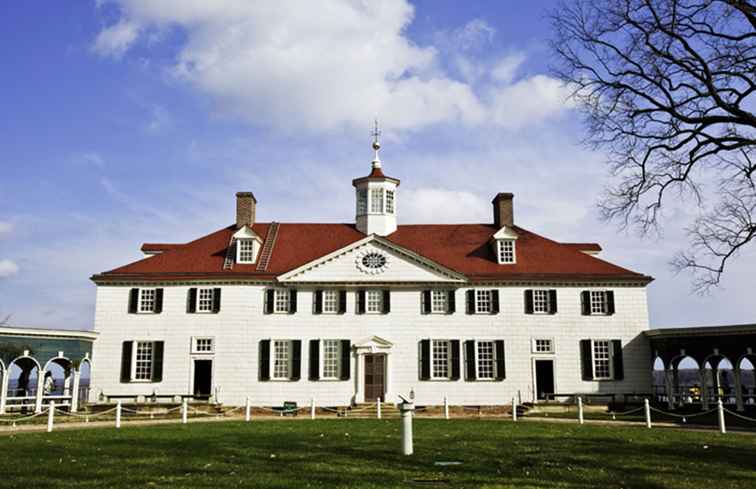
(364, 453)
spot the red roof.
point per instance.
(592, 247)
(464, 248)
(375, 174)
(158, 247)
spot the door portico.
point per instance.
(373, 345)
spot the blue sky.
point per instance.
(133, 121)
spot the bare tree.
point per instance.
(667, 90)
(5, 320)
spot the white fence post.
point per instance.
(446, 407)
(720, 413)
(312, 408)
(647, 409)
(514, 409)
(378, 408)
(118, 414)
(581, 420)
(247, 411)
(50, 416)
(184, 409)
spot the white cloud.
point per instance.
(5, 228)
(7, 269)
(317, 66)
(528, 101)
(506, 68)
(443, 206)
(115, 40)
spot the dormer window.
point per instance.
(246, 251)
(505, 251)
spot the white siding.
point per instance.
(241, 324)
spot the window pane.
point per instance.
(376, 200)
(246, 250)
(143, 361)
(601, 363)
(281, 359)
(374, 301)
(598, 302)
(441, 359)
(331, 357)
(483, 301)
(485, 360)
(146, 300)
(506, 251)
(438, 301)
(390, 201)
(282, 300)
(203, 345)
(330, 301)
(544, 346)
(361, 201)
(540, 301)
(205, 300)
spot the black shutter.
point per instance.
(425, 301)
(216, 300)
(455, 359)
(191, 301)
(133, 300)
(528, 301)
(610, 302)
(158, 301)
(292, 301)
(264, 359)
(346, 357)
(386, 301)
(451, 304)
(296, 359)
(585, 303)
(314, 359)
(342, 301)
(501, 371)
(157, 361)
(586, 359)
(269, 298)
(126, 361)
(360, 301)
(619, 369)
(471, 301)
(425, 359)
(494, 302)
(552, 301)
(317, 307)
(470, 373)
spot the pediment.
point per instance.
(505, 233)
(372, 259)
(373, 343)
(246, 232)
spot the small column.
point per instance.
(668, 387)
(446, 407)
(406, 409)
(184, 411)
(312, 408)
(40, 391)
(514, 409)
(75, 391)
(50, 416)
(704, 390)
(647, 410)
(580, 410)
(738, 390)
(378, 408)
(118, 414)
(720, 416)
(4, 391)
(248, 411)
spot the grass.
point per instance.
(364, 454)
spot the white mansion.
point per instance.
(347, 313)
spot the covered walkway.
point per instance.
(41, 365)
(711, 351)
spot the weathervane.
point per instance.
(376, 144)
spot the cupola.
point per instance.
(375, 195)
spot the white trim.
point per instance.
(193, 346)
(490, 301)
(321, 366)
(134, 349)
(199, 301)
(32, 332)
(141, 290)
(500, 252)
(534, 350)
(505, 232)
(493, 360)
(610, 359)
(533, 361)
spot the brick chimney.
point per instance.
(503, 209)
(245, 209)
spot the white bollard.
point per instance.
(378, 408)
(406, 409)
(514, 410)
(720, 413)
(312, 408)
(184, 411)
(647, 409)
(118, 414)
(50, 416)
(581, 420)
(446, 407)
(248, 411)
